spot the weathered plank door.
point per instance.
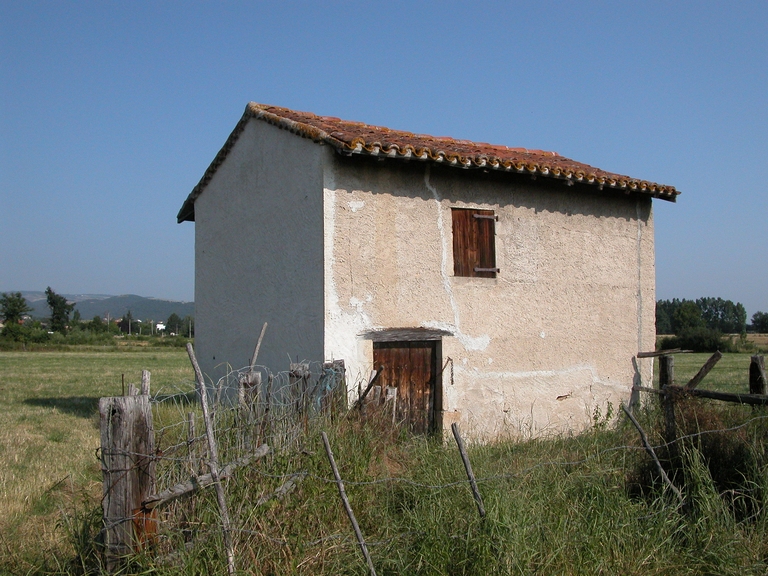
(411, 367)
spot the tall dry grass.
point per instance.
(49, 433)
(564, 505)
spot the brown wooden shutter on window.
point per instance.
(474, 243)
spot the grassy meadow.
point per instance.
(565, 505)
(730, 374)
(49, 433)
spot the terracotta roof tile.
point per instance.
(359, 138)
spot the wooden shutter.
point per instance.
(474, 243)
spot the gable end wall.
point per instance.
(258, 253)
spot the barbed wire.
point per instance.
(480, 479)
(280, 410)
(161, 455)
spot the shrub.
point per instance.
(713, 437)
(88, 337)
(23, 334)
(170, 342)
(699, 340)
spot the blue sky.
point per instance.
(110, 113)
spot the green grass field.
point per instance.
(555, 506)
(49, 433)
(730, 374)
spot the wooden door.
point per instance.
(411, 367)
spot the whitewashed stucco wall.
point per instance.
(535, 350)
(259, 253)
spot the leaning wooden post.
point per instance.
(374, 376)
(468, 468)
(757, 380)
(258, 346)
(214, 462)
(128, 469)
(666, 381)
(347, 507)
(649, 449)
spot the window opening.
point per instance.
(474, 242)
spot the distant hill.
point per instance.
(90, 305)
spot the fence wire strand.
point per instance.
(252, 407)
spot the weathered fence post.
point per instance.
(391, 397)
(213, 462)
(249, 391)
(338, 399)
(128, 469)
(666, 371)
(145, 376)
(191, 449)
(757, 380)
(468, 468)
(298, 379)
(265, 415)
(666, 381)
(347, 507)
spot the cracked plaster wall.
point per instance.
(537, 349)
(325, 248)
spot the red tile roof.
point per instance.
(357, 138)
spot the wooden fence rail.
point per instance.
(670, 394)
(129, 455)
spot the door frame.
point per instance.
(410, 335)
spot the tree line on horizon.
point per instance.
(65, 321)
(696, 324)
(701, 324)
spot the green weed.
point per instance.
(560, 505)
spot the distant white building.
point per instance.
(160, 326)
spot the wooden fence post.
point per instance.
(213, 463)
(191, 449)
(265, 415)
(128, 468)
(249, 392)
(666, 381)
(666, 371)
(347, 507)
(757, 380)
(145, 376)
(337, 401)
(468, 469)
(298, 383)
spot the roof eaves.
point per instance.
(187, 211)
(617, 182)
(531, 162)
